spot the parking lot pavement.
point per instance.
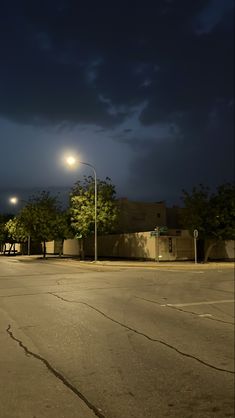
(80, 339)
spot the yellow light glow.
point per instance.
(71, 160)
(13, 200)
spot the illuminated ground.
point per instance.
(115, 342)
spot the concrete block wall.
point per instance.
(141, 245)
(54, 247)
(71, 247)
(224, 250)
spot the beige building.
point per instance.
(143, 245)
(134, 236)
(140, 216)
(145, 216)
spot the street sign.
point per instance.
(195, 233)
(154, 233)
(163, 229)
(158, 231)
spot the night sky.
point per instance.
(143, 90)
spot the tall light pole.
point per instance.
(71, 161)
(14, 201)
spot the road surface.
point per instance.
(81, 341)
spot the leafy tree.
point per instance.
(82, 204)
(63, 228)
(16, 230)
(212, 214)
(42, 218)
(3, 230)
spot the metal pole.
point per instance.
(28, 244)
(157, 242)
(195, 234)
(195, 249)
(95, 215)
(95, 229)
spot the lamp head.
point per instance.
(13, 200)
(71, 161)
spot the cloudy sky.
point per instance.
(143, 90)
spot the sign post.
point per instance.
(195, 234)
(157, 242)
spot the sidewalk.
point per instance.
(128, 263)
(161, 264)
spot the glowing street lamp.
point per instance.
(71, 161)
(14, 201)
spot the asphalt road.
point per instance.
(80, 341)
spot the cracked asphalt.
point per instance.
(79, 341)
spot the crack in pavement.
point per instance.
(86, 289)
(182, 310)
(55, 372)
(182, 353)
(29, 294)
(22, 276)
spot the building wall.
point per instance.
(50, 247)
(141, 245)
(16, 247)
(224, 250)
(71, 247)
(175, 216)
(132, 245)
(140, 216)
(54, 247)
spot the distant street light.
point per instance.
(71, 161)
(14, 201)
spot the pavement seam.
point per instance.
(193, 313)
(55, 372)
(182, 353)
(182, 310)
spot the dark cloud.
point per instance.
(156, 76)
(58, 58)
(127, 131)
(204, 156)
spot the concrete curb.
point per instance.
(130, 264)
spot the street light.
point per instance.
(14, 201)
(71, 161)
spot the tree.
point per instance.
(82, 204)
(41, 218)
(212, 214)
(63, 228)
(16, 230)
(4, 236)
